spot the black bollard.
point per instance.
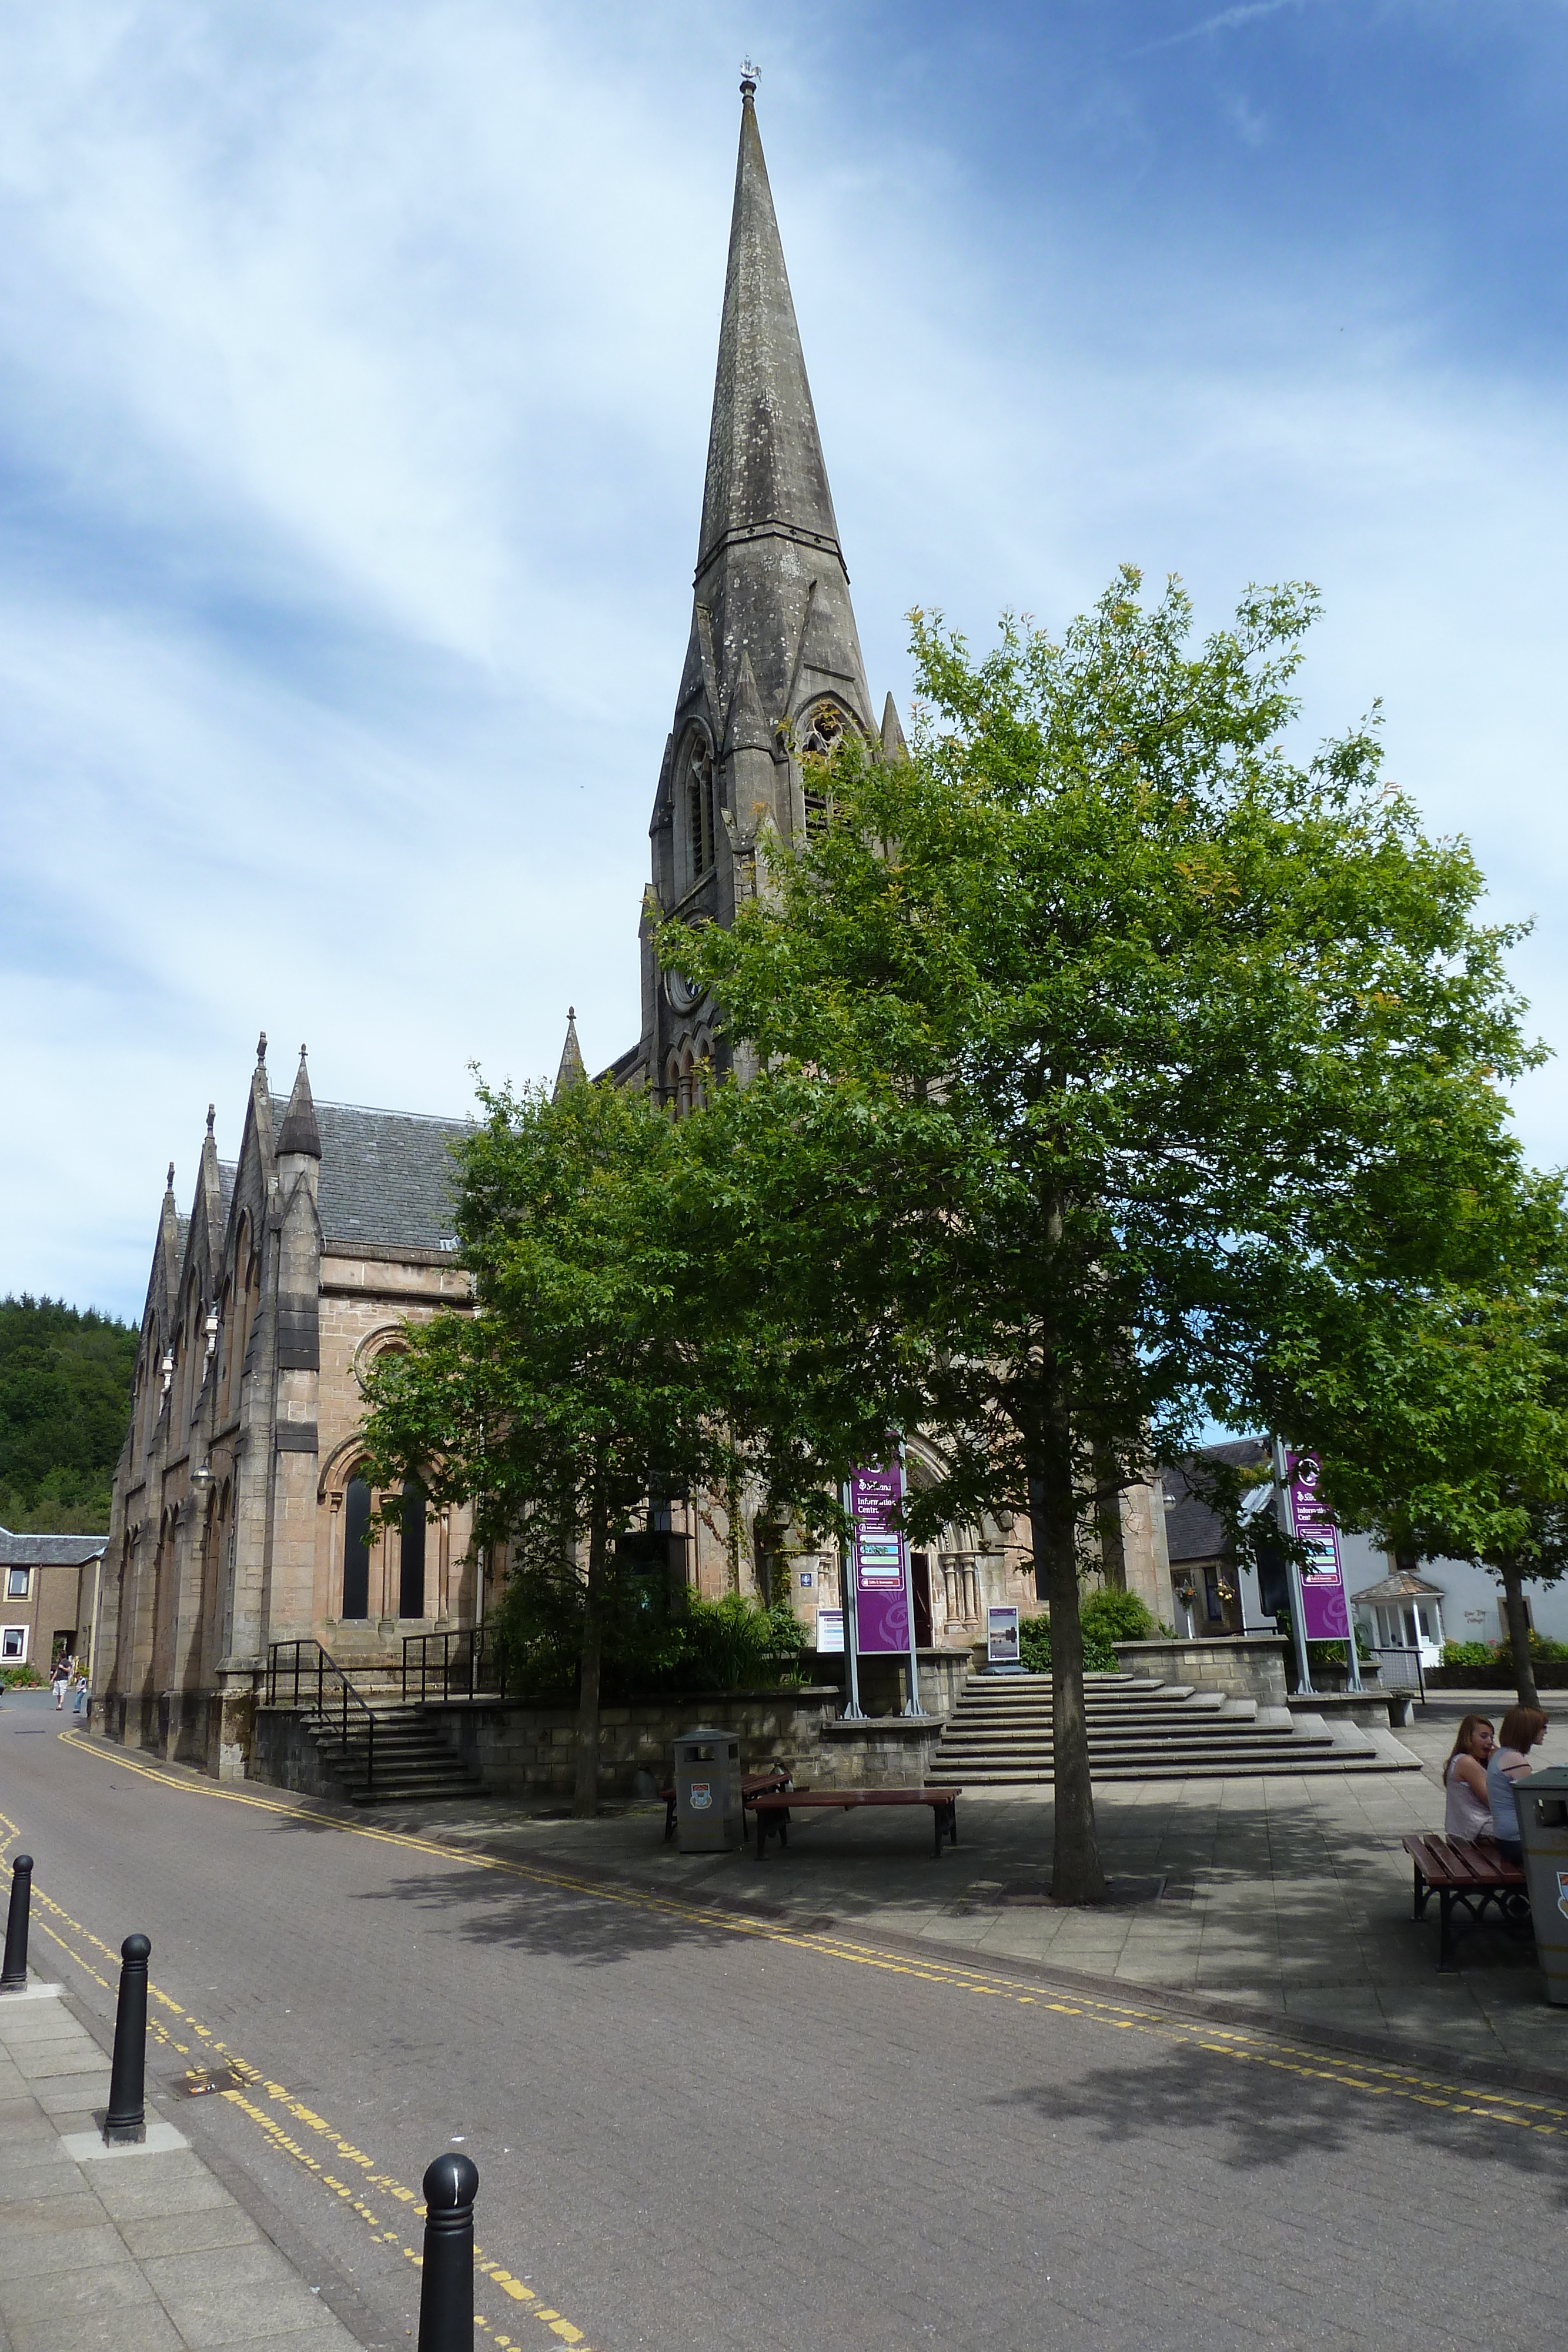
(127, 2118)
(447, 2289)
(13, 1977)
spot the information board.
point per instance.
(879, 1562)
(1324, 1611)
(1002, 1635)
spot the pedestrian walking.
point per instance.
(84, 1692)
(59, 1675)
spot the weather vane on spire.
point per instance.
(749, 73)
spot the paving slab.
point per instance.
(136, 2249)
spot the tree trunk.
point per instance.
(585, 1801)
(1518, 1633)
(1077, 1875)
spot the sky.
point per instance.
(355, 374)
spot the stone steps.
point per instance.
(412, 1760)
(999, 1735)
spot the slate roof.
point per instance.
(387, 1176)
(1401, 1586)
(49, 1551)
(1193, 1529)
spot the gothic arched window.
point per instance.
(410, 1573)
(700, 817)
(355, 1549)
(823, 734)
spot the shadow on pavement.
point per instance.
(1257, 2120)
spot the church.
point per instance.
(241, 1517)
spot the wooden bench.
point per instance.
(752, 1784)
(1469, 1876)
(774, 1811)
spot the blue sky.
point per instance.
(355, 368)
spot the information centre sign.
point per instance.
(1325, 1610)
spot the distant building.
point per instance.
(1200, 1550)
(48, 1597)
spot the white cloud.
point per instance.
(357, 377)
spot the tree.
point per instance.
(1092, 1040)
(583, 1379)
(65, 1400)
(1447, 1429)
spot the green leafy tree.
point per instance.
(586, 1379)
(65, 1400)
(1446, 1429)
(1094, 1043)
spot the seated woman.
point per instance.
(1467, 1813)
(1523, 1728)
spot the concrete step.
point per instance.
(1313, 1766)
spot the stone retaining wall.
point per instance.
(522, 1749)
(1248, 1665)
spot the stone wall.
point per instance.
(520, 1749)
(284, 1754)
(943, 1674)
(1249, 1666)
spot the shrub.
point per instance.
(734, 1644)
(1468, 1654)
(1034, 1645)
(1122, 1616)
(21, 1678)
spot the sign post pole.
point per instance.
(850, 1596)
(911, 1704)
(1298, 1605)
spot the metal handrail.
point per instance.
(1402, 1650)
(470, 1657)
(321, 1664)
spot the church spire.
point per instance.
(299, 1133)
(573, 1071)
(766, 473)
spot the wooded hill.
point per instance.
(64, 1397)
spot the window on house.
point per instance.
(14, 1644)
(17, 1583)
(1214, 1605)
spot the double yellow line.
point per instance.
(313, 2143)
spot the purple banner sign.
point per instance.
(878, 1561)
(1323, 1607)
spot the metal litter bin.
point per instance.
(1542, 1801)
(709, 1815)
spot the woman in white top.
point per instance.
(1467, 1814)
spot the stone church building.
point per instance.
(241, 1519)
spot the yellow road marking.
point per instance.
(274, 2132)
(1374, 2078)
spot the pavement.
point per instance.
(852, 2096)
(135, 2248)
(1289, 1896)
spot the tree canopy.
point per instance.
(1106, 1053)
(65, 1400)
